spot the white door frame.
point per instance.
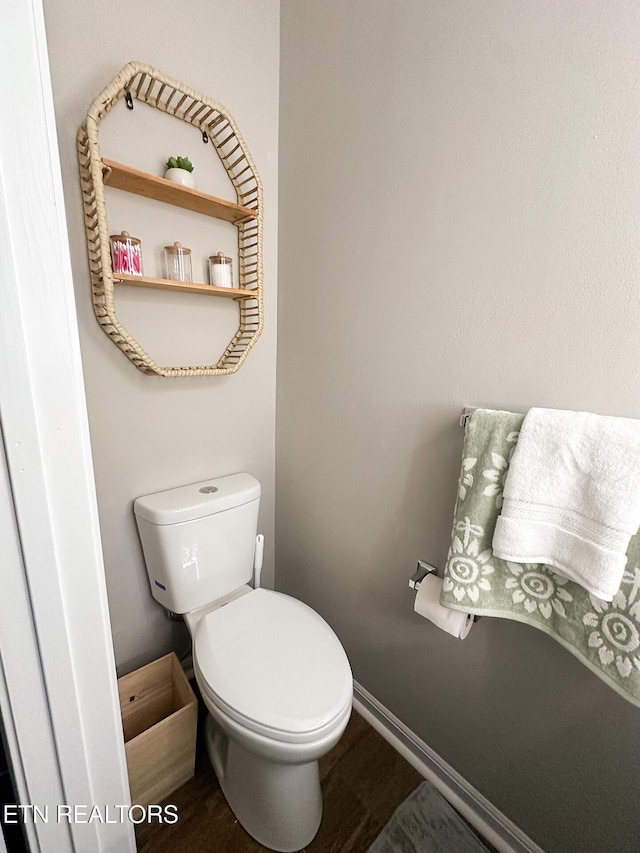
(58, 691)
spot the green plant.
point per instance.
(179, 163)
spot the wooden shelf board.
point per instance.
(131, 180)
(184, 286)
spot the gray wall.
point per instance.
(460, 199)
(150, 433)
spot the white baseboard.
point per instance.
(476, 809)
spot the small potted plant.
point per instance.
(180, 171)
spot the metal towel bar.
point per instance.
(466, 414)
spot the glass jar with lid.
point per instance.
(177, 262)
(220, 270)
(126, 254)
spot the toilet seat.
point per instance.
(274, 666)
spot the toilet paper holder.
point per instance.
(423, 569)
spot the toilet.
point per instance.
(272, 673)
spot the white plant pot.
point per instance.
(181, 176)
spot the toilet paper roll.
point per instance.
(427, 604)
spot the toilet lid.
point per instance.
(274, 665)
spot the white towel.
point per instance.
(572, 497)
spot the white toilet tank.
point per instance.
(199, 540)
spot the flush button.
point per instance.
(208, 490)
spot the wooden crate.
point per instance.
(159, 718)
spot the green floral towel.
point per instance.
(603, 635)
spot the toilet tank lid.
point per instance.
(197, 500)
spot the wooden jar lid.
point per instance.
(124, 237)
(177, 249)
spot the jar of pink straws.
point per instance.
(126, 254)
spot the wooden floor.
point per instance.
(363, 781)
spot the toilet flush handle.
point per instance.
(257, 560)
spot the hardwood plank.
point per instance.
(363, 781)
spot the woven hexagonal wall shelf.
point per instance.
(151, 87)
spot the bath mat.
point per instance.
(426, 823)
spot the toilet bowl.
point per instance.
(273, 675)
(278, 688)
